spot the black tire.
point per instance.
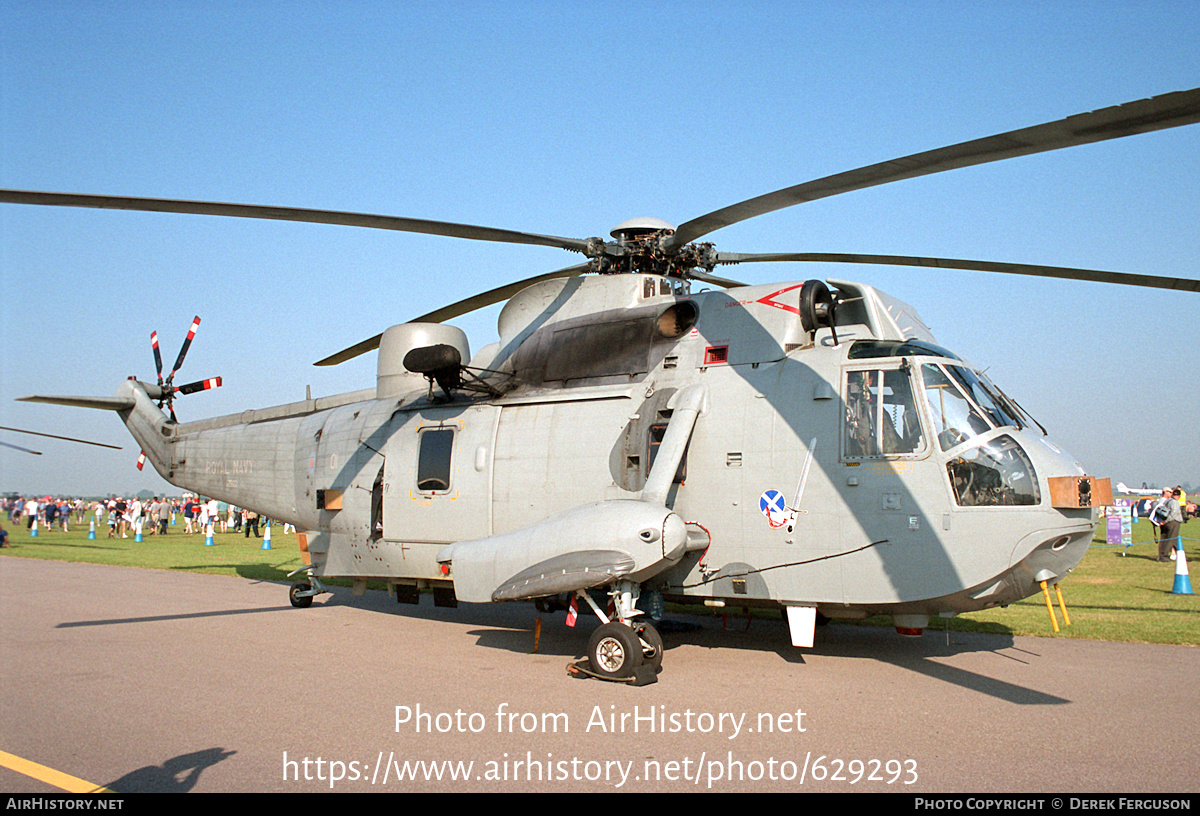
(652, 639)
(614, 651)
(297, 601)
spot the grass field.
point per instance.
(231, 553)
(1114, 594)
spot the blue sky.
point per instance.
(566, 118)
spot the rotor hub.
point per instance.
(639, 249)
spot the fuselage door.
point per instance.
(437, 477)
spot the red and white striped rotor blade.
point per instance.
(200, 385)
(191, 335)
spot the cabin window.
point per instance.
(435, 448)
(881, 415)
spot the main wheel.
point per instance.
(614, 650)
(300, 602)
(652, 645)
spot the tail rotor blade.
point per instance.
(186, 345)
(157, 355)
(199, 385)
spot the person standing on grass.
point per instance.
(1166, 516)
(122, 516)
(152, 516)
(214, 514)
(164, 516)
(251, 521)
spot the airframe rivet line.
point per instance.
(48, 775)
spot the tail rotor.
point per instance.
(167, 390)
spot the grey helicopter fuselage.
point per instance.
(871, 472)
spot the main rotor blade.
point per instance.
(370, 344)
(1145, 115)
(707, 277)
(22, 450)
(456, 309)
(346, 219)
(496, 295)
(65, 438)
(1099, 275)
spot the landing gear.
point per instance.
(301, 593)
(625, 649)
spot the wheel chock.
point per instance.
(644, 675)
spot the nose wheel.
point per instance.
(623, 650)
(614, 651)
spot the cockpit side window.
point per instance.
(955, 419)
(881, 417)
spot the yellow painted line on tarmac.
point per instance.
(48, 775)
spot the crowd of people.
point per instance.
(123, 516)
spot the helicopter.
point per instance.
(635, 438)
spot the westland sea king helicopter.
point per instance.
(806, 446)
